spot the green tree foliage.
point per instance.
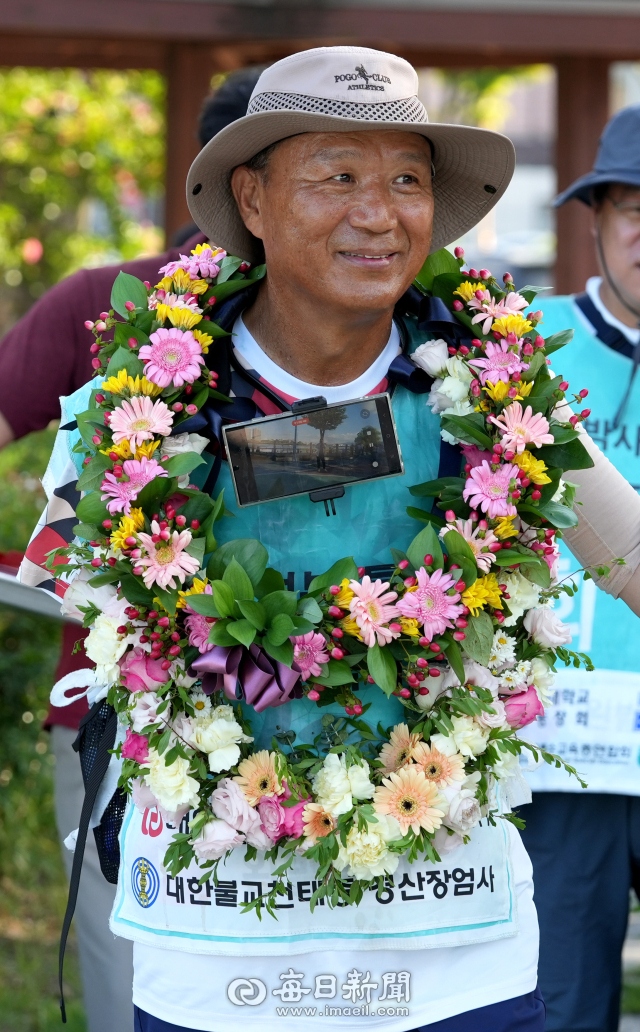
(81, 171)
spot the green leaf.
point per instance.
(155, 492)
(134, 591)
(237, 579)
(85, 421)
(439, 262)
(479, 638)
(104, 578)
(272, 580)
(254, 613)
(539, 573)
(343, 568)
(203, 604)
(125, 358)
(168, 599)
(535, 365)
(249, 552)
(244, 631)
(383, 669)
(543, 389)
(468, 569)
(455, 659)
(91, 510)
(279, 602)
(128, 288)
(560, 516)
(228, 266)
(424, 516)
(281, 653)
(433, 488)
(280, 628)
(309, 609)
(557, 341)
(456, 545)
(125, 331)
(468, 429)
(220, 636)
(198, 507)
(88, 531)
(223, 597)
(301, 626)
(563, 434)
(425, 543)
(92, 475)
(572, 455)
(334, 673)
(178, 465)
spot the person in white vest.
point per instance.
(585, 846)
(337, 179)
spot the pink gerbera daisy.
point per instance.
(430, 603)
(488, 309)
(309, 650)
(198, 628)
(477, 539)
(490, 490)
(371, 610)
(139, 419)
(123, 492)
(165, 560)
(500, 363)
(520, 428)
(173, 357)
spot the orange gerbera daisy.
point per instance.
(257, 776)
(440, 769)
(400, 749)
(412, 799)
(317, 821)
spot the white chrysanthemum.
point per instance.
(201, 703)
(503, 651)
(543, 680)
(367, 853)
(523, 595)
(218, 734)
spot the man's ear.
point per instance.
(246, 186)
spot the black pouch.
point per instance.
(96, 738)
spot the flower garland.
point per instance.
(463, 633)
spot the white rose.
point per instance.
(218, 733)
(454, 389)
(491, 720)
(546, 628)
(431, 356)
(334, 786)
(467, 737)
(543, 679)
(80, 593)
(172, 785)
(464, 812)
(523, 595)
(145, 710)
(182, 726)
(104, 646)
(183, 443)
(445, 841)
(461, 408)
(366, 853)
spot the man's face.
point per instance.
(344, 217)
(618, 217)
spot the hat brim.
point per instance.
(473, 168)
(583, 186)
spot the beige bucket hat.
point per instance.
(342, 89)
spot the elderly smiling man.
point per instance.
(337, 179)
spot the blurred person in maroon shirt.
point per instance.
(54, 326)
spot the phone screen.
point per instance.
(292, 454)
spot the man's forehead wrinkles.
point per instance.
(337, 153)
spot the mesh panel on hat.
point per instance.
(408, 109)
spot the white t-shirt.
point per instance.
(190, 990)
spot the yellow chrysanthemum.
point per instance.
(166, 283)
(122, 383)
(512, 324)
(146, 449)
(525, 388)
(485, 591)
(123, 450)
(466, 290)
(534, 468)
(128, 527)
(410, 626)
(181, 280)
(199, 286)
(197, 588)
(349, 626)
(346, 594)
(199, 248)
(204, 340)
(504, 528)
(499, 391)
(183, 318)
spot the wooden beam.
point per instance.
(81, 52)
(477, 32)
(583, 110)
(189, 69)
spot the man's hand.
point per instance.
(6, 433)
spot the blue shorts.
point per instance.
(521, 1014)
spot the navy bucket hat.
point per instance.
(617, 160)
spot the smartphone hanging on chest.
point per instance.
(316, 449)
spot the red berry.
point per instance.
(334, 590)
(536, 495)
(459, 635)
(337, 653)
(422, 662)
(434, 647)
(122, 629)
(461, 622)
(424, 690)
(107, 524)
(370, 680)
(166, 664)
(405, 693)
(361, 571)
(96, 562)
(163, 621)
(335, 612)
(155, 636)
(402, 565)
(357, 709)
(181, 520)
(174, 650)
(153, 615)
(143, 639)
(195, 524)
(583, 393)
(112, 560)
(175, 636)
(337, 632)
(313, 695)
(433, 672)
(428, 560)
(413, 680)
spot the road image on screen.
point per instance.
(329, 446)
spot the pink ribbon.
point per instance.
(248, 674)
